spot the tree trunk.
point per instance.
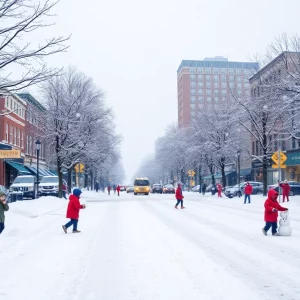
(60, 178)
(223, 172)
(69, 181)
(265, 162)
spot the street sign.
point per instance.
(191, 173)
(281, 166)
(10, 153)
(283, 157)
(192, 183)
(79, 168)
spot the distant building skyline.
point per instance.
(209, 81)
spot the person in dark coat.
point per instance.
(97, 186)
(271, 212)
(73, 209)
(3, 207)
(204, 186)
(108, 190)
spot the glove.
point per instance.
(286, 209)
(274, 210)
(83, 205)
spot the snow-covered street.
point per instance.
(140, 247)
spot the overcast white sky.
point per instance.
(133, 48)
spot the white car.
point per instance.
(48, 186)
(25, 184)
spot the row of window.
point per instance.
(223, 78)
(14, 106)
(15, 136)
(216, 71)
(216, 86)
(201, 99)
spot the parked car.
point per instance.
(196, 188)
(235, 191)
(25, 184)
(122, 188)
(168, 189)
(130, 189)
(48, 186)
(295, 188)
(157, 188)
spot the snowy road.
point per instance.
(140, 247)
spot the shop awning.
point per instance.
(245, 172)
(54, 172)
(19, 167)
(217, 175)
(33, 170)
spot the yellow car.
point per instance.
(141, 186)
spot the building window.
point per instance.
(208, 99)
(192, 70)
(208, 92)
(200, 92)
(216, 85)
(200, 99)
(200, 77)
(15, 136)
(224, 78)
(22, 139)
(192, 77)
(6, 132)
(27, 144)
(192, 106)
(200, 84)
(293, 143)
(200, 71)
(224, 85)
(208, 84)
(11, 134)
(216, 78)
(231, 84)
(216, 99)
(193, 84)
(231, 78)
(224, 92)
(30, 145)
(208, 77)
(18, 137)
(11, 104)
(208, 71)
(216, 71)
(216, 93)
(193, 91)
(193, 99)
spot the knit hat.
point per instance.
(77, 192)
(2, 193)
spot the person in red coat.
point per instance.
(179, 197)
(271, 212)
(73, 211)
(285, 190)
(219, 188)
(118, 190)
(248, 191)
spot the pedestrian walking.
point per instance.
(114, 188)
(73, 209)
(219, 188)
(179, 196)
(286, 188)
(97, 186)
(271, 212)
(64, 189)
(204, 186)
(118, 190)
(3, 207)
(248, 191)
(108, 190)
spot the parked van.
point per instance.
(141, 186)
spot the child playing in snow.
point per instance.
(271, 212)
(3, 207)
(73, 211)
(179, 196)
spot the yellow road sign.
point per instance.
(191, 173)
(79, 168)
(192, 183)
(281, 166)
(283, 157)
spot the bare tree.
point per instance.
(18, 19)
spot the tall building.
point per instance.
(209, 81)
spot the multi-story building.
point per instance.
(12, 133)
(261, 84)
(208, 82)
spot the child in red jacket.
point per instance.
(73, 211)
(179, 196)
(271, 212)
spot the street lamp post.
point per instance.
(38, 147)
(238, 170)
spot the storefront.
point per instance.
(257, 172)
(293, 166)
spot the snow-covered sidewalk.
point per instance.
(140, 247)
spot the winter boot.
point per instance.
(76, 231)
(264, 232)
(64, 228)
(182, 207)
(275, 234)
(176, 207)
